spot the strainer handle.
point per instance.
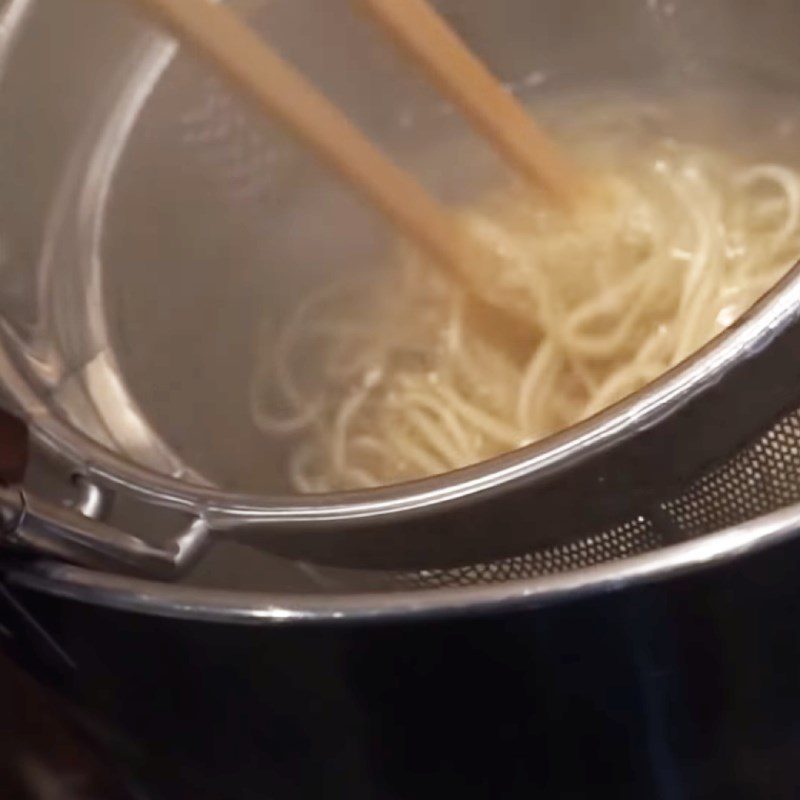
(47, 529)
(33, 525)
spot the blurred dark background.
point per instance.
(42, 755)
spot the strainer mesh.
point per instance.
(761, 478)
(757, 480)
(630, 538)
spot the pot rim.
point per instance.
(154, 598)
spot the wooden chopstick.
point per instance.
(423, 35)
(257, 71)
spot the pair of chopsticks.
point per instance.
(256, 70)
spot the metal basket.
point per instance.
(139, 257)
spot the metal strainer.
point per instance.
(140, 255)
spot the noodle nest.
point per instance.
(400, 377)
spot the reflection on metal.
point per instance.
(45, 528)
(12, 15)
(123, 419)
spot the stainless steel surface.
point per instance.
(159, 224)
(50, 529)
(257, 607)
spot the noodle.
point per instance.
(401, 377)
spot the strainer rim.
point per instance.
(659, 399)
